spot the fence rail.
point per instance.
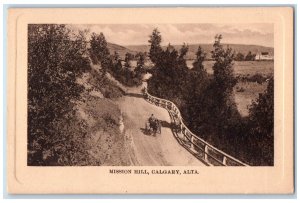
(195, 145)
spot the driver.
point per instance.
(152, 120)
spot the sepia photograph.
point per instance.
(150, 101)
(144, 95)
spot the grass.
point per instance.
(243, 68)
(104, 140)
(245, 93)
(106, 143)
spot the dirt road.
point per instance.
(148, 150)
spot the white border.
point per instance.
(135, 2)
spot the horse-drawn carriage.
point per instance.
(153, 126)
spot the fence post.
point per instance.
(205, 153)
(224, 160)
(183, 133)
(192, 144)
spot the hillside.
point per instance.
(139, 48)
(120, 49)
(244, 49)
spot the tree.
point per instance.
(261, 117)
(140, 59)
(182, 54)
(169, 75)
(116, 57)
(140, 64)
(225, 108)
(239, 57)
(155, 48)
(117, 62)
(261, 112)
(223, 66)
(198, 63)
(100, 50)
(55, 61)
(128, 59)
(250, 56)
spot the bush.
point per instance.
(105, 86)
(258, 78)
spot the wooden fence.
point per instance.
(195, 145)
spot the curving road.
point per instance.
(148, 150)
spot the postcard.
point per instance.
(150, 101)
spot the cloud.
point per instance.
(134, 34)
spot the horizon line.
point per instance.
(192, 44)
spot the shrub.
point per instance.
(262, 125)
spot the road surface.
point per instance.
(148, 150)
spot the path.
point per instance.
(149, 150)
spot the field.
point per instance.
(246, 92)
(245, 68)
(244, 98)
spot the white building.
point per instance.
(263, 56)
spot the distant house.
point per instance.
(263, 56)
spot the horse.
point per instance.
(153, 127)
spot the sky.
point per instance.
(138, 34)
